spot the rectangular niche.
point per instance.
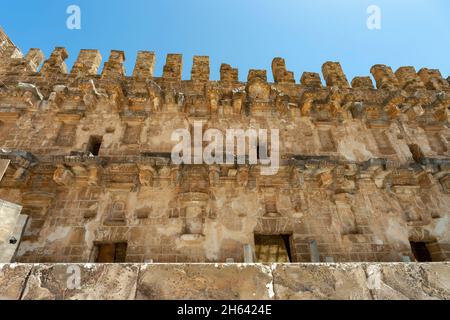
(66, 135)
(326, 140)
(132, 134)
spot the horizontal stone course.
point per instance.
(345, 281)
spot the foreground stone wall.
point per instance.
(364, 166)
(226, 281)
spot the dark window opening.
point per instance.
(273, 248)
(111, 252)
(94, 145)
(420, 251)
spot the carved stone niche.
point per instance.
(68, 129)
(146, 175)
(344, 207)
(116, 210)
(132, 132)
(270, 202)
(326, 139)
(194, 199)
(194, 206)
(258, 93)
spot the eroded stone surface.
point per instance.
(202, 281)
(227, 281)
(320, 282)
(12, 280)
(411, 281)
(97, 282)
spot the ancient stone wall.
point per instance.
(347, 281)
(364, 169)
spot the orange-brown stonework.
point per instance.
(365, 170)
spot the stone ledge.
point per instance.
(225, 281)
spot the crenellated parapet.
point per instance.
(402, 108)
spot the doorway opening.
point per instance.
(111, 252)
(94, 145)
(273, 248)
(420, 251)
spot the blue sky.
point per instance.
(244, 33)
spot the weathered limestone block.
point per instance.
(146, 175)
(228, 74)
(384, 77)
(145, 64)
(280, 73)
(400, 281)
(87, 63)
(203, 281)
(320, 282)
(10, 220)
(55, 65)
(433, 80)
(34, 58)
(257, 87)
(97, 282)
(173, 68)
(253, 74)
(200, 69)
(362, 83)
(334, 75)
(28, 64)
(114, 67)
(7, 48)
(311, 79)
(12, 280)
(408, 78)
(63, 176)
